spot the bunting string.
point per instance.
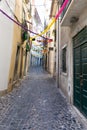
(47, 28)
(54, 19)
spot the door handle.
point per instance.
(81, 80)
(81, 76)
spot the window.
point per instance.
(50, 48)
(64, 60)
(16, 63)
(23, 15)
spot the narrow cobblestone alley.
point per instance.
(36, 104)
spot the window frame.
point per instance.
(64, 59)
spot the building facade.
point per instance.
(73, 53)
(6, 39)
(13, 50)
(36, 55)
(51, 55)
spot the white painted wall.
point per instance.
(6, 37)
(66, 80)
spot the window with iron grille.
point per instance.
(64, 60)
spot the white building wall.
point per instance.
(6, 37)
(67, 33)
(65, 42)
(51, 54)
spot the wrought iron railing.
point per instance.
(65, 9)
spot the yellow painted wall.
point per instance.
(16, 40)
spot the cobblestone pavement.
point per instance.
(36, 104)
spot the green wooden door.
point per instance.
(80, 70)
(80, 78)
(77, 67)
(84, 77)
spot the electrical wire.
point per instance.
(54, 19)
(12, 11)
(19, 24)
(14, 14)
(48, 27)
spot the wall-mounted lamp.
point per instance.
(74, 19)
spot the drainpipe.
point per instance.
(58, 47)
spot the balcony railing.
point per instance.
(65, 9)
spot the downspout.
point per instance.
(58, 46)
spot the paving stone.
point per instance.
(37, 104)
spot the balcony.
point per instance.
(72, 11)
(65, 9)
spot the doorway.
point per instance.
(80, 71)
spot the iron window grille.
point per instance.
(64, 59)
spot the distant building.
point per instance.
(51, 46)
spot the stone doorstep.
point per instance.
(8, 90)
(14, 84)
(81, 117)
(2, 93)
(17, 83)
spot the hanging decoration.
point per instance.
(48, 27)
(28, 47)
(19, 24)
(44, 51)
(53, 20)
(45, 41)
